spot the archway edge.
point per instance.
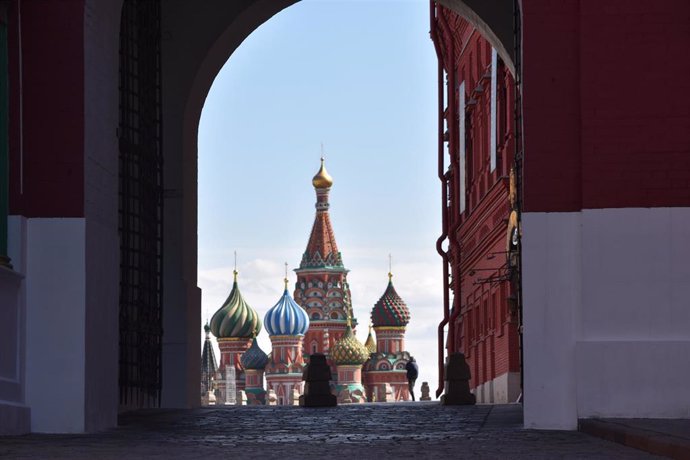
(494, 20)
(196, 44)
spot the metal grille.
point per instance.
(140, 204)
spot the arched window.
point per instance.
(334, 315)
(315, 315)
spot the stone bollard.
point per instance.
(457, 383)
(317, 387)
(425, 392)
(271, 398)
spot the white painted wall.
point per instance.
(55, 317)
(607, 327)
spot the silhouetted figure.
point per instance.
(412, 373)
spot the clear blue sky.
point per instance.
(359, 76)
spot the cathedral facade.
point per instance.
(319, 319)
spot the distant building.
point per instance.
(254, 362)
(322, 288)
(349, 354)
(235, 324)
(478, 137)
(286, 323)
(209, 365)
(318, 320)
(384, 373)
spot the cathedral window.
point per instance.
(334, 315)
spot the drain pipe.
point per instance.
(452, 232)
(444, 195)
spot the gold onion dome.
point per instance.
(348, 350)
(235, 319)
(322, 179)
(370, 344)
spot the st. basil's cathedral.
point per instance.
(318, 318)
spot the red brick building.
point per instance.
(476, 134)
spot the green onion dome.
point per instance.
(390, 310)
(349, 350)
(254, 357)
(235, 319)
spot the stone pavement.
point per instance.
(396, 430)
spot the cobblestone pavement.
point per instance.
(400, 430)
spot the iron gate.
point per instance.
(140, 204)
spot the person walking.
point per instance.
(412, 373)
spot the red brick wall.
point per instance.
(53, 109)
(485, 329)
(606, 104)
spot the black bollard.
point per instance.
(457, 382)
(317, 386)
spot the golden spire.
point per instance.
(286, 278)
(322, 179)
(390, 268)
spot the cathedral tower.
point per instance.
(235, 324)
(386, 366)
(286, 323)
(322, 288)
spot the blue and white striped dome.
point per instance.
(286, 317)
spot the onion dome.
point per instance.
(349, 350)
(286, 317)
(370, 344)
(390, 310)
(235, 319)
(254, 357)
(322, 179)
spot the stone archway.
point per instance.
(196, 44)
